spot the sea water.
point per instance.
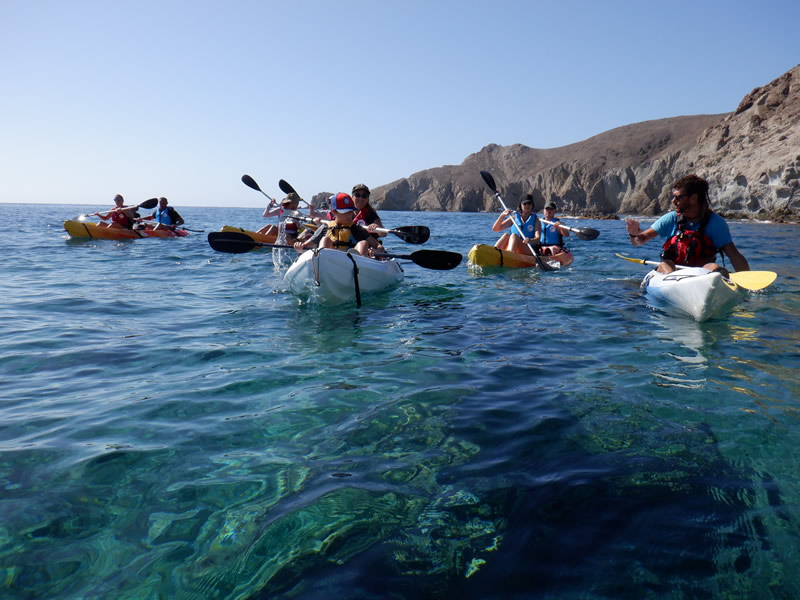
(175, 424)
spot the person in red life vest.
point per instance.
(367, 217)
(165, 216)
(340, 233)
(288, 205)
(288, 217)
(121, 216)
(694, 233)
(526, 222)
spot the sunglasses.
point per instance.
(361, 195)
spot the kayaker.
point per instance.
(526, 221)
(291, 227)
(694, 233)
(122, 217)
(165, 216)
(340, 233)
(367, 216)
(553, 235)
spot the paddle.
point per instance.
(147, 204)
(487, 177)
(440, 260)
(288, 189)
(749, 280)
(251, 183)
(233, 242)
(584, 233)
(411, 234)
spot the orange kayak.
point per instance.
(84, 229)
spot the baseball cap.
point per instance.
(550, 204)
(360, 186)
(342, 202)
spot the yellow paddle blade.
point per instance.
(753, 280)
(640, 261)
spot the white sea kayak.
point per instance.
(334, 277)
(692, 291)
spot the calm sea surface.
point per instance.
(175, 424)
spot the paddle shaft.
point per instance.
(586, 233)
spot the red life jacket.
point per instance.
(690, 248)
(122, 219)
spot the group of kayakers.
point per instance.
(693, 232)
(123, 216)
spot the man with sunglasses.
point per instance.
(694, 233)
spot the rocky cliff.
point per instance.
(751, 157)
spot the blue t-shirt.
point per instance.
(716, 229)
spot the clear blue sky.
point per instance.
(180, 98)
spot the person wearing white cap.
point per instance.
(340, 233)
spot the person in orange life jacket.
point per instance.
(367, 217)
(165, 216)
(694, 233)
(340, 233)
(122, 217)
(527, 222)
(552, 239)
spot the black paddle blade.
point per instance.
(440, 260)
(487, 177)
(286, 188)
(587, 233)
(151, 203)
(251, 183)
(231, 242)
(412, 234)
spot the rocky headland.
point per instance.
(750, 156)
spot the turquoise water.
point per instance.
(175, 424)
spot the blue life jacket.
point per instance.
(528, 227)
(552, 238)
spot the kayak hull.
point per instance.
(328, 277)
(254, 235)
(483, 255)
(695, 292)
(82, 229)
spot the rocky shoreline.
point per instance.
(751, 158)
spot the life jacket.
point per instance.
(289, 224)
(165, 217)
(690, 248)
(340, 235)
(528, 227)
(122, 219)
(552, 238)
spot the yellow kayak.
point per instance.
(484, 255)
(85, 229)
(254, 235)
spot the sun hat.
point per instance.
(342, 202)
(291, 197)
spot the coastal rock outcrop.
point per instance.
(750, 156)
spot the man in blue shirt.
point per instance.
(694, 233)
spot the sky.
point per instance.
(181, 98)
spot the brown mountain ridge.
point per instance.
(750, 156)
